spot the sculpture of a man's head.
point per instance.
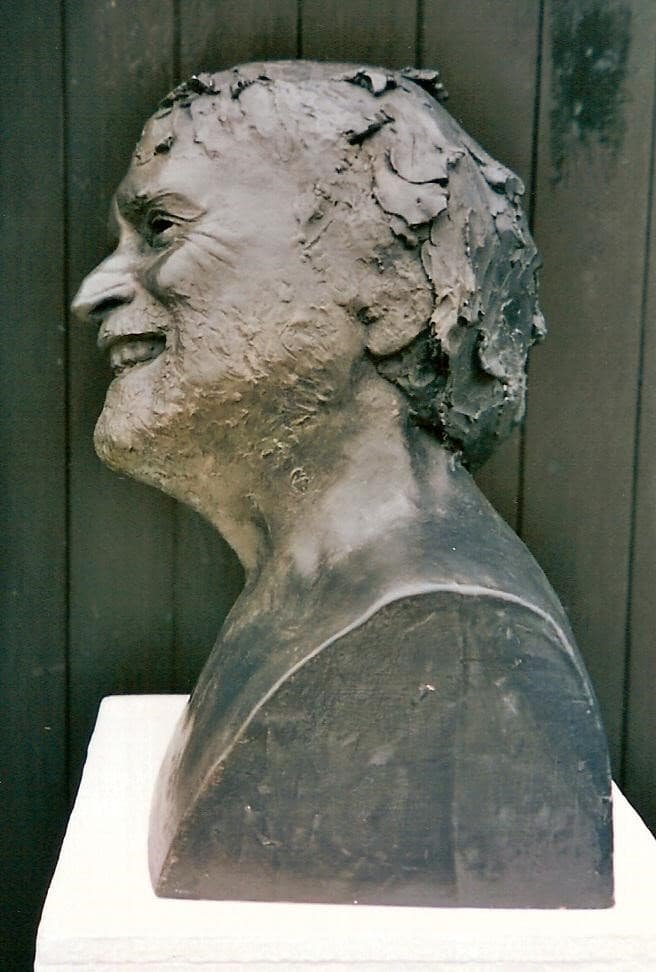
(285, 228)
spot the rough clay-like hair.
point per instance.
(453, 215)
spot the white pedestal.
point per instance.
(102, 916)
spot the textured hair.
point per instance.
(448, 290)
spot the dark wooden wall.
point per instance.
(108, 587)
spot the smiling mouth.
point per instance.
(134, 349)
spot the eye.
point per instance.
(157, 226)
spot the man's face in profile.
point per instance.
(206, 308)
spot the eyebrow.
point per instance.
(135, 205)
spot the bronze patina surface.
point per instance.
(318, 314)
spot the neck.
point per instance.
(347, 479)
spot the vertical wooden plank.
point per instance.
(369, 31)
(590, 225)
(640, 755)
(119, 64)
(487, 53)
(215, 34)
(208, 576)
(33, 501)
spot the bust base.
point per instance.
(102, 915)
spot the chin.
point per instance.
(147, 435)
(128, 434)
(119, 447)
(134, 454)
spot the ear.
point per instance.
(397, 305)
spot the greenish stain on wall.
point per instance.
(589, 49)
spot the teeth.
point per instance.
(131, 351)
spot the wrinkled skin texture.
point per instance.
(318, 314)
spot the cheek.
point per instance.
(185, 272)
(211, 352)
(320, 354)
(326, 338)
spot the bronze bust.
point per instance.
(318, 315)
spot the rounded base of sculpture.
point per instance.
(445, 751)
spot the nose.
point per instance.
(109, 286)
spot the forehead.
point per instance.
(171, 158)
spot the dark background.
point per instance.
(109, 587)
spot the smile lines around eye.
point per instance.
(218, 250)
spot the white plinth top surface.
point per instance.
(101, 913)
